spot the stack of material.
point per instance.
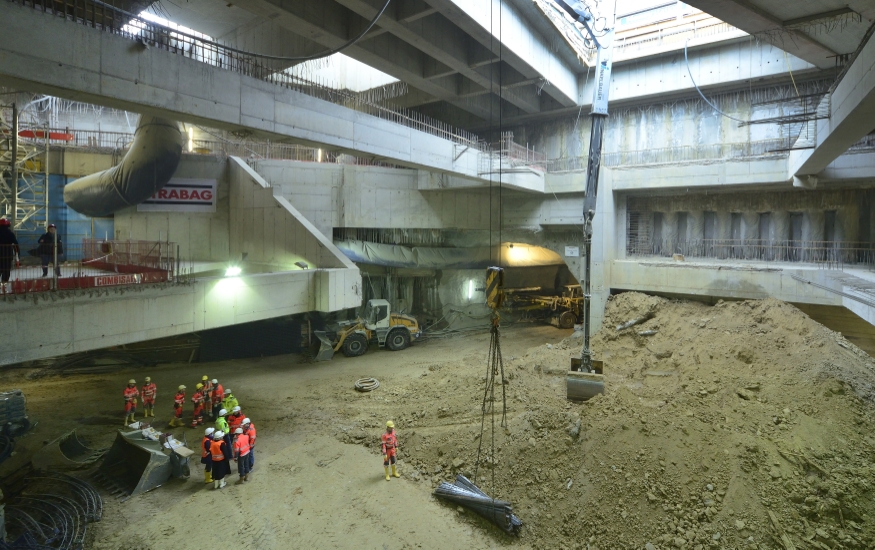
(466, 494)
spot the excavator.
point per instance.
(585, 379)
(391, 330)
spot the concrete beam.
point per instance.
(852, 116)
(753, 20)
(106, 69)
(439, 38)
(499, 28)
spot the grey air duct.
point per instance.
(145, 169)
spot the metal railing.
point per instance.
(671, 34)
(828, 254)
(36, 267)
(220, 56)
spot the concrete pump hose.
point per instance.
(145, 169)
(367, 384)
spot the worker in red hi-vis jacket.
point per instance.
(149, 391)
(208, 395)
(217, 396)
(197, 416)
(131, 394)
(249, 430)
(178, 401)
(389, 447)
(241, 454)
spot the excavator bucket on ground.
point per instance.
(581, 386)
(326, 347)
(135, 465)
(67, 452)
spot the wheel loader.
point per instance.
(393, 331)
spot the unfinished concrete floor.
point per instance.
(726, 426)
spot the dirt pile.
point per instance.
(742, 425)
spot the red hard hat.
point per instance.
(52, 225)
(4, 222)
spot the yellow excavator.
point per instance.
(391, 330)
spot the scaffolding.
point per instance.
(24, 173)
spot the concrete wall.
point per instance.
(200, 236)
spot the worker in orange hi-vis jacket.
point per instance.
(217, 396)
(208, 395)
(249, 430)
(178, 401)
(150, 392)
(131, 393)
(389, 447)
(197, 416)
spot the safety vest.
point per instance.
(208, 388)
(197, 398)
(180, 398)
(221, 424)
(229, 403)
(149, 391)
(130, 393)
(241, 445)
(206, 444)
(218, 394)
(216, 450)
(249, 430)
(235, 421)
(390, 441)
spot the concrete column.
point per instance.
(812, 231)
(724, 232)
(751, 232)
(669, 233)
(696, 232)
(780, 234)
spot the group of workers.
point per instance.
(232, 438)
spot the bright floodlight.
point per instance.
(232, 271)
(302, 265)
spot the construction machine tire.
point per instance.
(567, 319)
(398, 339)
(355, 345)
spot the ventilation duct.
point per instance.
(145, 169)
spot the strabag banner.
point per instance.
(183, 195)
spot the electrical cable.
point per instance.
(690, 72)
(333, 51)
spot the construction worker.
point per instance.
(249, 430)
(149, 391)
(197, 416)
(131, 394)
(220, 454)
(222, 422)
(389, 447)
(235, 420)
(218, 395)
(230, 401)
(206, 457)
(241, 454)
(208, 396)
(178, 401)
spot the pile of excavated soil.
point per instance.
(740, 425)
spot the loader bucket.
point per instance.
(326, 347)
(67, 452)
(134, 465)
(581, 386)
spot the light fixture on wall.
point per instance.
(318, 155)
(190, 139)
(302, 265)
(232, 271)
(470, 288)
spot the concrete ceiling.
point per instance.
(814, 30)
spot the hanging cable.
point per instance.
(687, 59)
(338, 49)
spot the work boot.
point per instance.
(387, 472)
(395, 471)
(215, 484)
(126, 420)
(208, 477)
(222, 483)
(246, 477)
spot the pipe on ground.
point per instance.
(145, 169)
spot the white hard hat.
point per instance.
(215, 381)
(236, 409)
(181, 387)
(223, 412)
(246, 421)
(208, 431)
(219, 435)
(238, 431)
(227, 392)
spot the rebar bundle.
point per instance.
(52, 510)
(465, 493)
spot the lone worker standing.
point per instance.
(178, 401)
(8, 252)
(131, 394)
(197, 416)
(389, 447)
(149, 391)
(47, 252)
